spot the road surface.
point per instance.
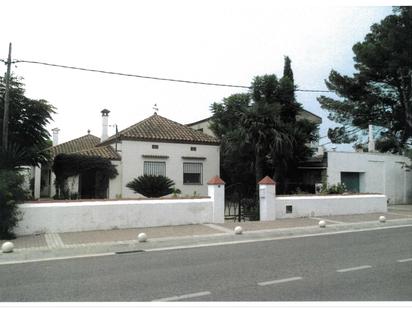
(360, 266)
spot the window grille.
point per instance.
(192, 173)
(154, 168)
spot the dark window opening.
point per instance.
(192, 173)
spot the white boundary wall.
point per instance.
(104, 215)
(272, 207)
(313, 206)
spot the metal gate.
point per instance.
(240, 204)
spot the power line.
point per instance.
(129, 75)
(148, 77)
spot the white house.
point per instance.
(371, 172)
(155, 145)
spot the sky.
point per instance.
(226, 42)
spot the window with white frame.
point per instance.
(192, 173)
(155, 168)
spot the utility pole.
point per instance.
(6, 104)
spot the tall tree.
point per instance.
(260, 132)
(380, 92)
(28, 137)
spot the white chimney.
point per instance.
(321, 151)
(371, 143)
(55, 136)
(105, 124)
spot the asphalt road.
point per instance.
(362, 266)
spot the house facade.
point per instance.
(159, 146)
(155, 146)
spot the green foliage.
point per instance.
(176, 192)
(11, 194)
(13, 157)
(68, 165)
(152, 185)
(380, 92)
(338, 188)
(260, 133)
(340, 135)
(28, 137)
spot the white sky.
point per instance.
(213, 41)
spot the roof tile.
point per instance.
(158, 128)
(85, 142)
(267, 181)
(106, 152)
(85, 145)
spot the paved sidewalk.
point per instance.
(78, 243)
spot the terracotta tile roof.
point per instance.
(85, 145)
(266, 181)
(106, 152)
(158, 128)
(216, 181)
(85, 142)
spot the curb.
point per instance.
(38, 254)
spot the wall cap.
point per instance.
(216, 181)
(267, 181)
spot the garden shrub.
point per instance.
(152, 186)
(11, 193)
(338, 188)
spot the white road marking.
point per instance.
(58, 258)
(353, 268)
(186, 296)
(405, 260)
(279, 281)
(219, 228)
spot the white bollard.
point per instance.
(238, 230)
(382, 219)
(142, 237)
(322, 223)
(7, 247)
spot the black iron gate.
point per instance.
(241, 204)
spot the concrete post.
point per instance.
(371, 142)
(267, 195)
(37, 182)
(216, 190)
(52, 186)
